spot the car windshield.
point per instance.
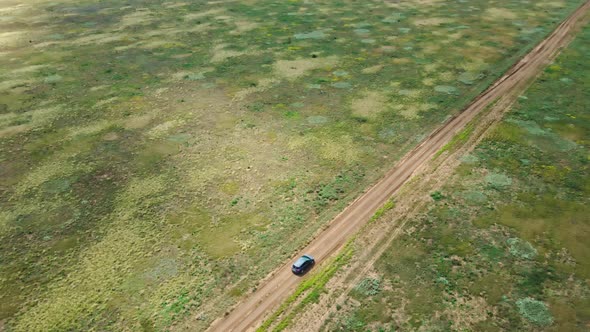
(300, 261)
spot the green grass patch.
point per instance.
(390, 204)
(457, 140)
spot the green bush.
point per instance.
(369, 286)
(521, 248)
(353, 323)
(498, 181)
(535, 311)
(437, 195)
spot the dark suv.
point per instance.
(303, 264)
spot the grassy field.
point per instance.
(503, 246)
(158, 158)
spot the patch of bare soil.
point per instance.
(369, 105)
(292, 69)
(432, 21)
(500, 14)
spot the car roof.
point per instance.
(302, 260)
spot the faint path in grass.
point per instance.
(279, 284)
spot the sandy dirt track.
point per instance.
(280, 284)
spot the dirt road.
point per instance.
(280, 284)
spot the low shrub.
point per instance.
(535, 311)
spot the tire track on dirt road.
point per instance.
(281, 283)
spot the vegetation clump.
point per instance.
(521, 248)
(390, 204)
(498, 181)
(437, 195)
(369, 286)
(446, 89)
(474, 196)
(535, 311)
(469, 78)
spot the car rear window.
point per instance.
(300, 261)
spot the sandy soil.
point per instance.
(276, 287)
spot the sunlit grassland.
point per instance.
(503, 245)
(158, 158)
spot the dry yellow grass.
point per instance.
(369, 105)
(293, 69)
